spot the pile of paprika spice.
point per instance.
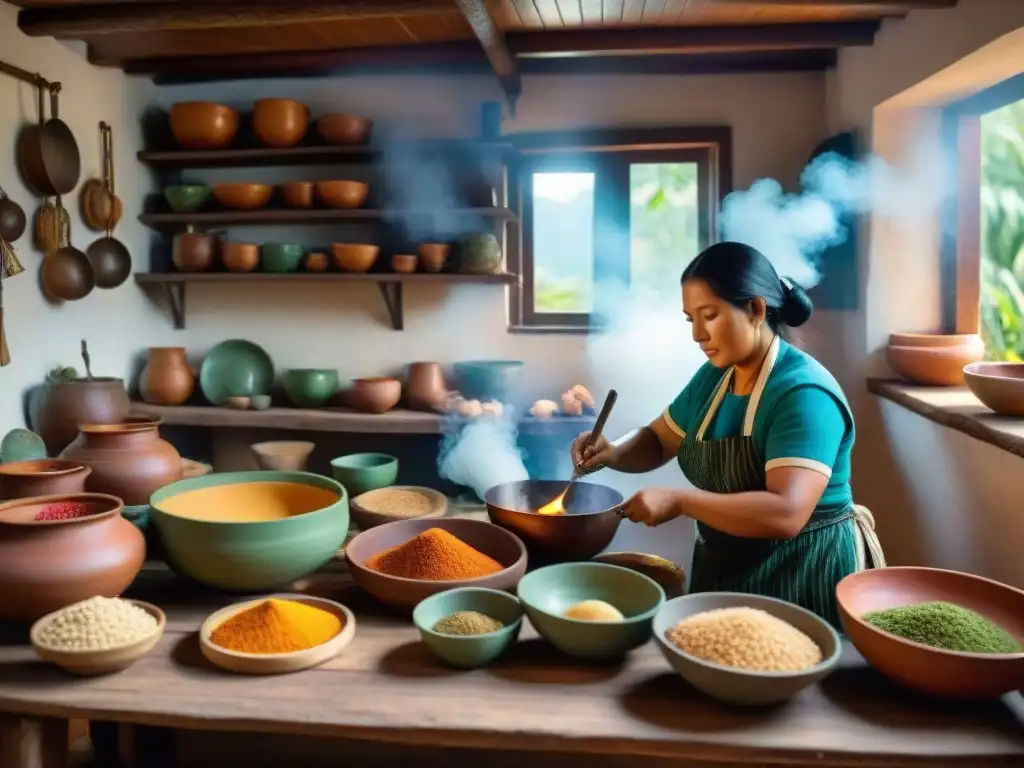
(276, 626)
(434, 555)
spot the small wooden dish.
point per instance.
(87, 663)
(364, 518)
(276, 663)
(238, 403)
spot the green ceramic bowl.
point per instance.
(235, 368)
(250, 557)
(310, 387)
(469, 651)
(186, 198)
(281, 258)
(548, 592)
(362, 472)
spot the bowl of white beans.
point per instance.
(99, 635)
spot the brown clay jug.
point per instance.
(167, 379)
(66, 404)
(128, 460)
(195, 251)
(45, 566)
(425, 389)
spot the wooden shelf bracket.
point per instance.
(174, 293)
(391, 292)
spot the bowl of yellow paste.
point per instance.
(250, 531)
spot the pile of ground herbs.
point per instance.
(434, 555)
(946, 626)
(467, 623)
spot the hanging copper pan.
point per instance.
(48, 153)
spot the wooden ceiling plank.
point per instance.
(492, 40)
(883, 6)
(592, 12)
(571, 13)
(611, 11)
(77, 22)
(550, 16)
(528, 14)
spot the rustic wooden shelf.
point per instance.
(267, 217)
(173, 285)
(956, 408)
(263, 157)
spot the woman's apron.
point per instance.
(802, 570)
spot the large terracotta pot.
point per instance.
(425, 389)
(41, 477)
(128, 460)
(167, 379)
(47, 565)
(64, 405)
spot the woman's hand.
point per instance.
(653, 506)
(592, 457)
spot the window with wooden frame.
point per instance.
(604, 208)
(983, 254)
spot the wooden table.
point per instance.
(394, 706)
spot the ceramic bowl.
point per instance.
(354, 257)
(310, 387)
(744, 686)
(374, 395)
(250, 556)
(344, 129)
(236, 402)
(276, 663)
(933, 340)
(203, 124)
(404, 263)
(297, 194)
(240, 257)
(493, 541)
(489, 379)
(469, 651)
(362, 472)
(670, 577)
(935, 366)
(23, 444)
(369, 509)
(342, 194)
(931, 670)
(186, 198)
(316, 262)
(87, 663)
(280, 122)
(235, 368)
(1000, 386)
(281, 257)
(41, 477)
(190, 468)
(242, 196)
(547, 592)
(260, 402)
(433, 256)
(283, 455)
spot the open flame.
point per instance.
(555, 506)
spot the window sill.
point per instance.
(956, 408)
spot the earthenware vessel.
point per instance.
(203, 124)
(469, 651)
(354, 257)
(128, 460)
(362, 472)
(167, 379)
(186, 198)
(283, 455)
(280, 122)
(480, 254)
(405, 263)
(425, 388)
(281, 257)
(1000, 386)
(66, 404)
(934, 359)
(243, 195)
(374, 395)
(433, 256)
(344, 129)
(342, 194)
(47, 565)
(297, 194)
(240, 257)
(194, 251)
(310, 387)
(41, 477)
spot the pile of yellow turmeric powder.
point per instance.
(276, 626)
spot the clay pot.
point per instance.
(194, 251)
(297, 194)
(433, 256)
(315, 262)
(47, 565)
(1000, 386)
(167, 379)
(425, 389)
(203, 124)
(344, 129)
(64, 405)
(41, 477)
(375, 395)
(354, 257)
(280, 122)
(243, 196)
(240, 257)
(935, 365)
(342, 194)
(405, 263)
(283, 455)
(128, 460)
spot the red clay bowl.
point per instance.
(493, 541)
(42, 477)
(949, 674)
(1000, 386)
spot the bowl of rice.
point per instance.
(745, 649)
(396, 502)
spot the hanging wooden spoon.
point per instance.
(108, 154)
(5, 354)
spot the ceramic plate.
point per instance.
(236, 368)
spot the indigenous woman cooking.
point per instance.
(764, 434)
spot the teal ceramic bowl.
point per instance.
(469, 651)
(362, 472)
(310, 387)
(489, 379)
(235, 368)
(186, 198)
(250, 556)
(277, 257)
(548, 592)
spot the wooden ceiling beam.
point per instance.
(882, 5)
(492, 40)
(88, 21)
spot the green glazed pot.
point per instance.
(250, 557)
(362, 472)
(469, 651)
(186, 198)
(235, 368)
(310, 387)
(277, 257)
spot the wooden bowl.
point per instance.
(404, 263)
(237, 402)
(280, 122)
(87, 663)
(935, 366)
(342, 194)
(203, 124)
(344, 129)
(374, 395)
(931, 670)
(365, 518)
(434, 256)
(1000, 386)
(354, 257)
(493, 541)
(240, 257)
(297, 194)
(242, 197)
(934, 340)
(276, 663)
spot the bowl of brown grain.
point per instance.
(396, 502)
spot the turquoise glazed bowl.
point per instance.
(186, 198)
(548, 592)
(362, 472)
(469, 651)
(250, 556)
(235, 368)
(281, 258)
(310, 387)
(488, 379)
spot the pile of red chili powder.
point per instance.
(63, 510)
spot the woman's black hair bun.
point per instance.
(796, 306)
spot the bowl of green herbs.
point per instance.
(943, 633)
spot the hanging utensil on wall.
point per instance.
(111, 262)
(108, 170)
(67, 273)
(12, 219)
(5, 353)
(48, 153)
